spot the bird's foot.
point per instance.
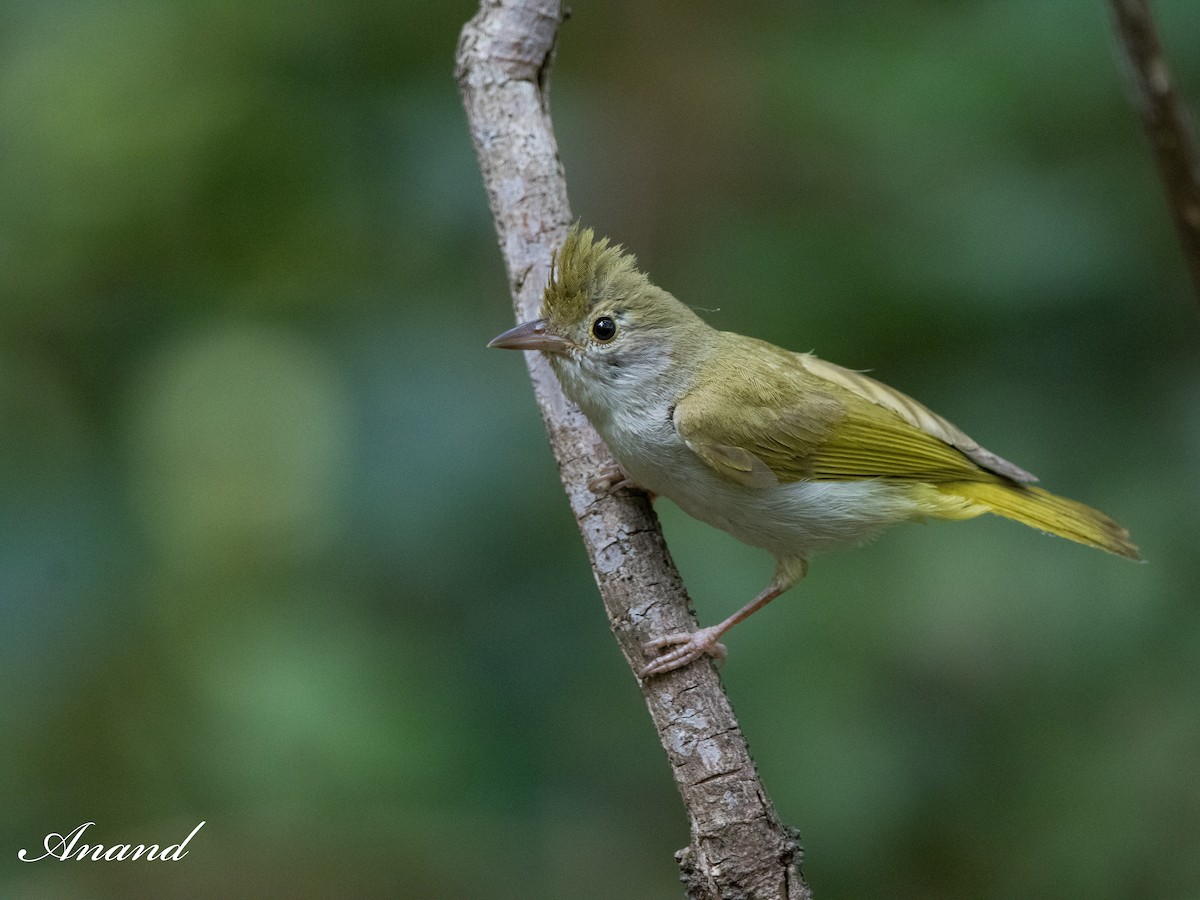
(611, 478)
(689, 647)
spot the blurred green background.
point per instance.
(282, 546)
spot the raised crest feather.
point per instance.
(586, 271)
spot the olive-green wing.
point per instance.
(781, 417)
(915, 414)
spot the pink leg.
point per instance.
(691, 645)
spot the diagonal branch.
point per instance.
(739, 847)
(1165, 120)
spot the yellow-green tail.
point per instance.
(1045, 511)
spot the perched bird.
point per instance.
(782, 450)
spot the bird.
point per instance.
(782, 450)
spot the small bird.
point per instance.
(782, 450)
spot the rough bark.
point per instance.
(739, 848)
(1165, 121)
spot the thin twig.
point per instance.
(739, 847)
(1165, 120)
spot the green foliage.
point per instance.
(283, 547)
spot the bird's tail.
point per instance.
(1045, 511)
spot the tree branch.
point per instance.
(1165, 120)
(739, 847)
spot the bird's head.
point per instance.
(604, 324)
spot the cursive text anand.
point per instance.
(67, 846)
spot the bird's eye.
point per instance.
(604, 329)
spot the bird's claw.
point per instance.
(689, 646)
(610, 478)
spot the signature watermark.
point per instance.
(68, 846)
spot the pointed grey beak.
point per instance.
(531, 336)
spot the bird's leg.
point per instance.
(691, 645)
(612, 478)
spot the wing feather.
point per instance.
(788, 417)
(916, 414)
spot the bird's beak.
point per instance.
(532, 336)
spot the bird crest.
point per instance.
(586, 271)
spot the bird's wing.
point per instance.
(782, 417)
(916, 414)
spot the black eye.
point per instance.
(604, 329)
